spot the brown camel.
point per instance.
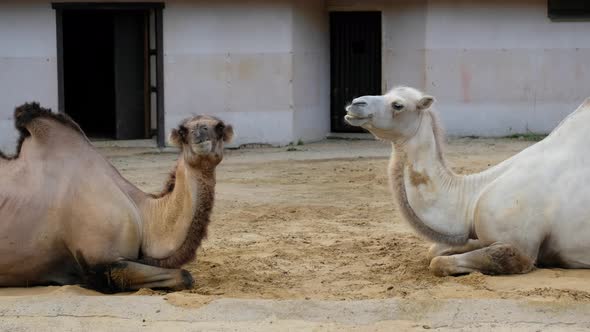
(68, 217)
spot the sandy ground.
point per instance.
(320, 223)
(317, 222)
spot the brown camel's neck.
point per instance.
(176, 222)
(437, 203)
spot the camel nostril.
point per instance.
(359, 103)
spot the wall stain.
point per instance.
(466, 83)
(247, 68)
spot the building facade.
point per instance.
(281, 70)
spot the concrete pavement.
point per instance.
(156, 313)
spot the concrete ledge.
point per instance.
(351, 136)
(155, 313)
(135, 143)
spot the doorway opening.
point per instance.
(89, 72)
(355, 62)
(110, 68)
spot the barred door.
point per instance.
(355, 61)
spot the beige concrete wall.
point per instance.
(499, 67)
(311, 70)
(496, 66)
(261, 65)
(404, 32)
(233, 59)
(28, 67)
(230, 58)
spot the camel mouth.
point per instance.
(357, 120)
(204, 141)
(202, 147)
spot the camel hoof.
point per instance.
(441, 266)
(187, 280)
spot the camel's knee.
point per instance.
(138, 276)
(506, 259)
(496, 259)
(437, 249)
(125, 276)
(441, 249)
(106, 278)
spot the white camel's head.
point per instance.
(393, 116)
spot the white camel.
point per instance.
(531, 209)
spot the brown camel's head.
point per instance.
(201, 139)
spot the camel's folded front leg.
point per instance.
(499, 258)
(128, 276)
(442, 249)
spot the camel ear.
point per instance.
(178, 136)
(228, 133)
(225, 132)
(425, 102)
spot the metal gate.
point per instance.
(355, 61)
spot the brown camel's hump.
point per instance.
(28, 112)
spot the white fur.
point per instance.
(537, 199)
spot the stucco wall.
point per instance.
(499, 67)
(311, 70)
(28, 68)
(232, 59)
(404, 32)
(496, 66)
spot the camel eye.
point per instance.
(397, 106)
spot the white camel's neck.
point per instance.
(437, 202)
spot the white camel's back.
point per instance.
(576, 123)
(570, 136)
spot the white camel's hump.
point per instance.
(576, 119)
(571, 134)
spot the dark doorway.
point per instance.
(104, 61)
(110, 67)
(355, 61)
(89, 71)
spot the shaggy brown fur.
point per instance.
(505, 259)
(197, 231)
(26, 113)
(169, 185)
